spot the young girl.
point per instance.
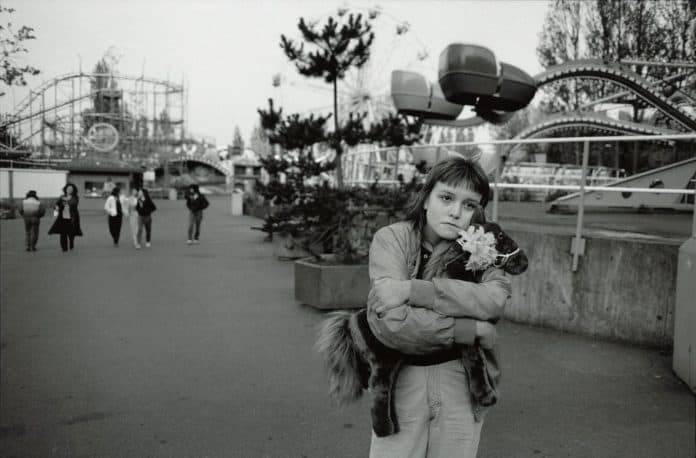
(130, 212)
(145, 207)
(196, 203)
(67, 222)
(422, 319)
(114, 210)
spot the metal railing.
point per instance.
(581, 188)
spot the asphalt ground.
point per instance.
(193, 351)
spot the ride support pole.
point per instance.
(578, 244)
(496, 192)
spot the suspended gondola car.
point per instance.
(467, 72)
(517, 89)
(413, 95)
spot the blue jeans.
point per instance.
(194, 228)
(31, 231)
(433, 407)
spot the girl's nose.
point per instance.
(456, 210)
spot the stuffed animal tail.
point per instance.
(348, 372)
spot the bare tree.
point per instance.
(12, 71)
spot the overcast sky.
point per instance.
(227, 51)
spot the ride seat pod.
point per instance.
(413, 95)
(467, 72)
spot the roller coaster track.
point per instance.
(591, 120)
(617, 74)
(214, 164)
(35, 94)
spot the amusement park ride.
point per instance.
(142, 120)
(471, 75)
(106, 118)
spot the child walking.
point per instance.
(32, 210)
(130, 212)
(196, 203)
(145, 207)
(114, 210)
(67, 222)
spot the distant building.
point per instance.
(247, 169)
(95, 176)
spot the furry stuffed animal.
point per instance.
(357, 360)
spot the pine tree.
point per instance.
(336, 48)
(237, 142)
(396, 130)
(259, 143)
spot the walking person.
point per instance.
(196, 203)
(114, 210)
(67, 222)
(429, 320)
(32, 209)
(145, 207)
(129, 211)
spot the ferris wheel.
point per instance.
(363, 90)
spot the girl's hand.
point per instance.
(486, 334)
(387, 294)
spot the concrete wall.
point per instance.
(46, 183)
(623, 289)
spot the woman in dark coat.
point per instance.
(67, 222)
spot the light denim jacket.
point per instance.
(426, 324)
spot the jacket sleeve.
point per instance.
(42, 209)
(110, 206)
(411, 330)
(457, 298)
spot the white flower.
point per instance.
(480, 244)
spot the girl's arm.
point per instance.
(458, 298)
(412, 330)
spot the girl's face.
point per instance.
(448, 210)
(69, 191)
(134, 192)
(141, 194)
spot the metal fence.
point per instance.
(582, 188)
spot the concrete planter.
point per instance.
(285, 246)
(331, 286)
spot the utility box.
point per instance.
(237, 203)
(684, 357)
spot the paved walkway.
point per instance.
(190, 351)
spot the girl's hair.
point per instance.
(146, 193)
(453, 171)
(116, 191)
(65, 189)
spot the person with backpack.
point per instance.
(32, 209)
(196, 203)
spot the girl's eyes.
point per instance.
(467, 205)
